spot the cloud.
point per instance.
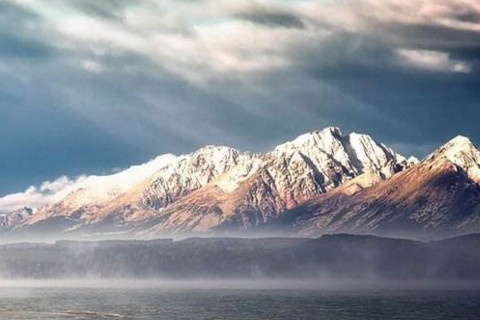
(21, 42)
(201, 41)
(20, 47)
(92, 66)
(90, 85)
(52, 187)
(433, 60)
(88, 188)
(35, 197)
(272, 18)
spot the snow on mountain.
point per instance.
(98, 189)
(95, 190)
(438, 196)
(172, 179)
(260, 188)
(8, 220)
(331, 159)
(191, 172)
(233, 178)
(463, 153)
(339, 157)
(218, 186)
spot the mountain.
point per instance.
(90, 192)
(16, 217)
(320, 182)
(438, 196)
(219, 188)
(274, 182)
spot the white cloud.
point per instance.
(58, 184)
(92, 66)
(205, 39)
(89, 188)
(34, 197)
(432, 60)
(157, 68)
(206, 35)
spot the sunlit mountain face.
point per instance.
(321, 182)
(213, 187)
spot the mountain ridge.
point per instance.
(320, 182)
(438, 194)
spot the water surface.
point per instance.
(213, 302)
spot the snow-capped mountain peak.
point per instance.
(370, 153)
(458, 144)
(216, 183)
(327, 139)
(347, 155)
(191, 172)
(412, 161)
(462, 152)
(8, 220)
(455, 149)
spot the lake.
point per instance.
(199, 301)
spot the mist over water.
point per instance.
(340, 277)
(314, 284)
(339, 257)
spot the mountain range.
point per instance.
(321, 182)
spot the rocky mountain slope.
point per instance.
(91, 192)
(220, 187)
(321, 182)
(440, 195)
(16, 217)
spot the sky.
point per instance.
(91, 86)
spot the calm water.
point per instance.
(48, 302)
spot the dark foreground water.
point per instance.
(230, 302)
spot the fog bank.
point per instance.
(335, 258)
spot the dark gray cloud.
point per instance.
(113, 9)
(403, 106)
(467, 16)
(18, 36)
(104, 85)
(14, 46)
(11, 13)
(272, 18)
